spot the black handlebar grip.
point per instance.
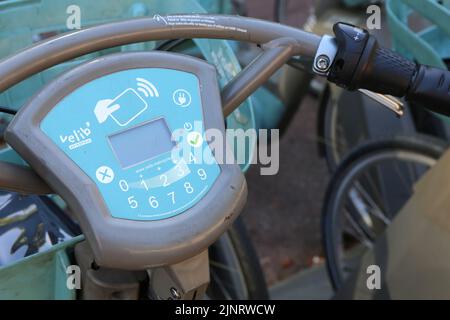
(431, 89)
(385, 71)
(360, 63)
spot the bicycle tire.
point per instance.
(341, 180)
(332, 133)
(234, 257)
(329, 131)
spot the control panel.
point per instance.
(139, 135)
(125, 140)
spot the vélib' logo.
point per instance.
(78, 137)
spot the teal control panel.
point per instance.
(119, 129)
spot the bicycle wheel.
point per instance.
(368, 188)
(235, 270)
(338, 132)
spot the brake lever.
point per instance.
(390, 102)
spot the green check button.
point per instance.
(195, 139)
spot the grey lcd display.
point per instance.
(141, 143)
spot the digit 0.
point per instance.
(123, 185)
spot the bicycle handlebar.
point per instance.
(71, 45)
(361, 63)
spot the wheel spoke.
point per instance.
(359, 233)
(376, 210)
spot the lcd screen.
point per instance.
(141, 143)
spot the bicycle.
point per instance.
(368, 188)
(139, 247)
(342, 133)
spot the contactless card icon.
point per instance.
(127, 106)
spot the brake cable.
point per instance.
(7, 110)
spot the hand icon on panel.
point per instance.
(128, 105)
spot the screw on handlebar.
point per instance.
(322, 63)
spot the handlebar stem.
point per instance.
(277, 53)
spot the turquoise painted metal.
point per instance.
(22, 22)
(430, 46)
(42, 276)
(355, 3)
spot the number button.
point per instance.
(123, 185)
(187, 186)
(163, 178)
(202, 174)
(172, 196)
(132, 202)
(180, 170)
(153, 202)
(144, 184)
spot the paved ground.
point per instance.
(283, 211)
(310, 284)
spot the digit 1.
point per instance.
(172, 194)
(144, 184)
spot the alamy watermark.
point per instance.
(235, 146)
(73, 21)
(373, 281)
(73, 281)
(374, 19)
